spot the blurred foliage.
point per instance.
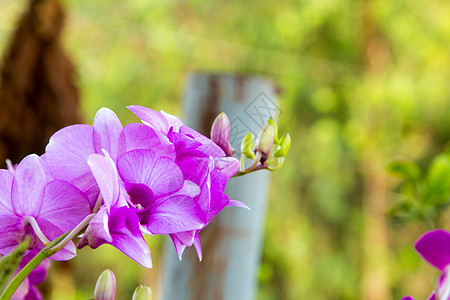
(425, 197)
(364, 83)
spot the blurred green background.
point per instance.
(363, 83)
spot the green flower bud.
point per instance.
(105, 289)
(247, 145)
(264, 142)
(275, 130)
(285, 144)
(276, 163)
(142, 293)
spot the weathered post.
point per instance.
(232, 241)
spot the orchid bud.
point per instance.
(105, 288)
(247, 145)
(276, 163)
(285, 144)
(142, 293)
(220, 133)
(264, 142)
(275, 130)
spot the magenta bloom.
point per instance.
(31, 206)
(69, 148)
(115, 223)
(434, 247)
(201, 162)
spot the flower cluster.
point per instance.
(154, 177)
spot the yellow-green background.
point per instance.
(364, 82)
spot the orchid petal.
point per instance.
(11, 234)
(208, 147)
(63, 205)
(173, 121)
(235, 203)
(6, 179)
(107, 129)
(124, 228)
(159, 173)
(97, 233)
(198, 246)
(140, 136)
(150, 117)
(227, 165)
(51, 231)
(28, 183)
(67, 153)
(105, 173)
(176, 214)
(434, 246)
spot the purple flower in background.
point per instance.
(431, 297)
(31, 206)
(28, 290)
(434, 247)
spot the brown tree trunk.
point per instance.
(37, 91)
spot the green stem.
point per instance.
(40, 257)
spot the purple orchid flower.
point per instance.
(31, 206)
(115, 223)
(434, 247)
(166, 124)
(69, 148)
(202, 162)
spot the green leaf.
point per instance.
(438, 177)
(404, 169)
(9, 264)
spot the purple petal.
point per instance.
(434, 246)
(179, 246)
(52, 232)
(235, 203)
(432, 296)
(127, 237)
(408, 298)
(28, 183)
(67, 154)
(159, 173)
(176, 214)
(97, 233)
(107, 129)
(105, 173)
(198, 246)
(173, 121)
(150, 117)
(140, 136)
(208, 147)
(181, 240)
(63, 205)
(48, 174)
(6, 179)
(11, 234)
(227, 165)
(33, 294)
(120, 229)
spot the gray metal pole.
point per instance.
(232, 241)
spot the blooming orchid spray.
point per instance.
(112, 184)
